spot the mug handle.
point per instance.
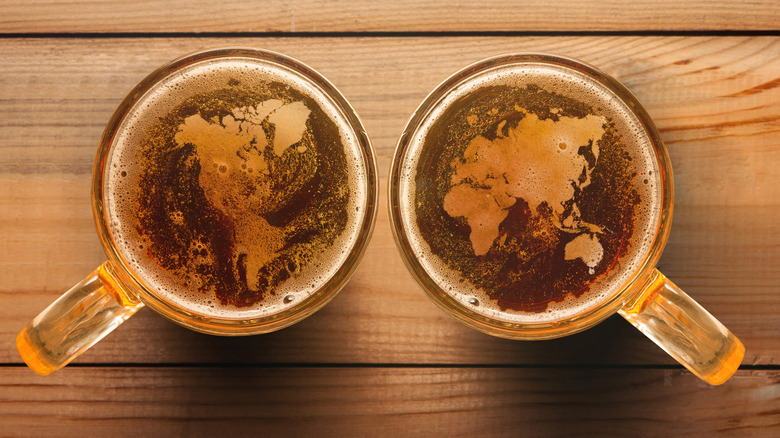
(76, 321)
(684, 329)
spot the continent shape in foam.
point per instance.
(538, 160)
(234, 174)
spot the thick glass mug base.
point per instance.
(446, 139)
(297, 107)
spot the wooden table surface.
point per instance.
(381, 359)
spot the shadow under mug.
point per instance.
(643, 296)
(117, 289)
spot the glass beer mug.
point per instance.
(530, 196)
(234, 191)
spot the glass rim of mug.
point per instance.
(530, 330)
(230, 326)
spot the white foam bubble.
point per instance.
(575, 85)
(121, 182)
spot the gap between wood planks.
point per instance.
(390, 34)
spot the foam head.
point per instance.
(235, 188)
(529, 193)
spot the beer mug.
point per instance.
(530, 196)
(234, 192)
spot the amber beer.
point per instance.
(234, 190)
(531, 197)
(234, 193)
(528, 194)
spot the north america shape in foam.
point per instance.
(234, 174)
(537, 161)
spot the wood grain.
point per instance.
(716, 101)
(393, 16)
(386, 402)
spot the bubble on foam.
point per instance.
(120, 195)
(563, 81)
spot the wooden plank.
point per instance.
(386, 402)
(393, 16)
(716, 101)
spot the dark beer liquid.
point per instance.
(530, 196)
(235, 192)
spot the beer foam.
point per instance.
(121, 181)
(538, 185)
(546, 161)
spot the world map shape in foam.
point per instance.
(230, 154)
(537, 161)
